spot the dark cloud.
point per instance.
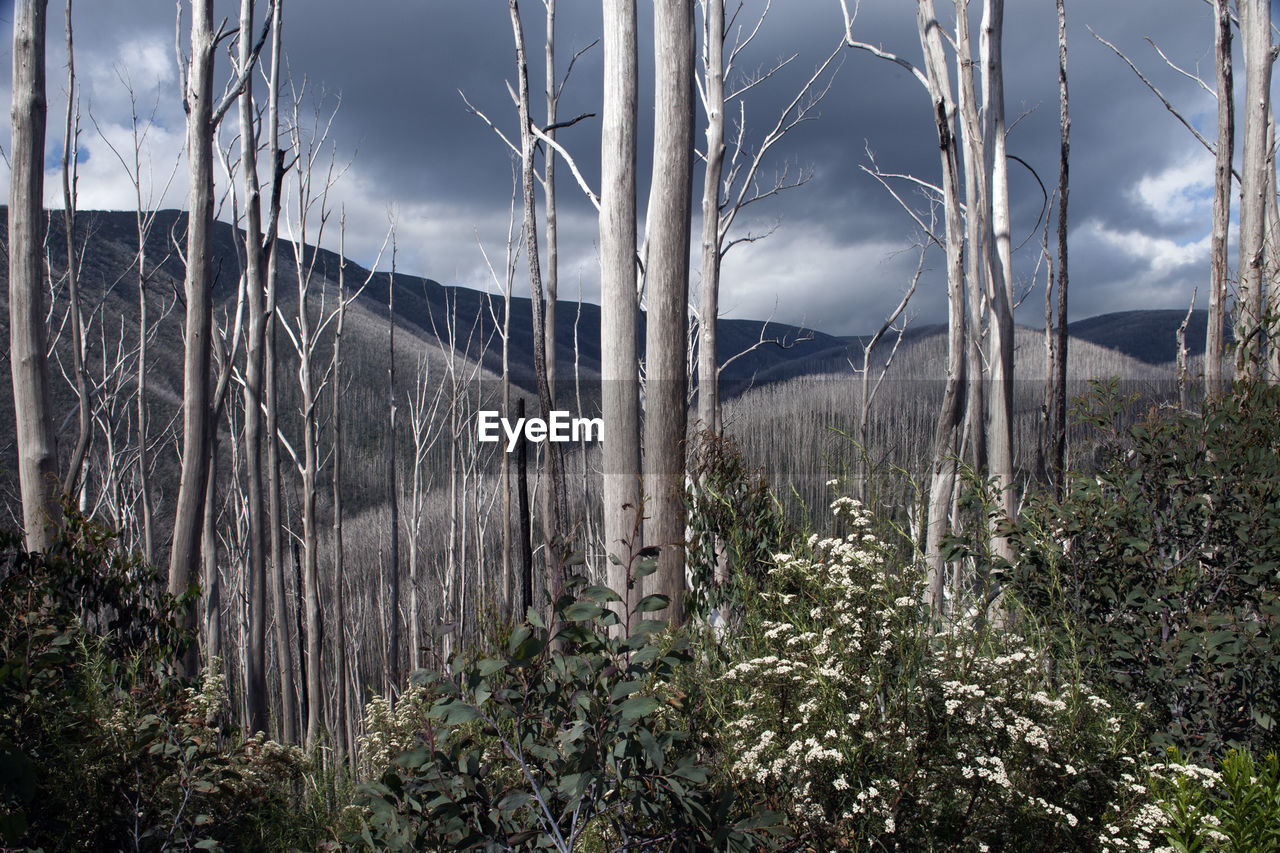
(840, 254)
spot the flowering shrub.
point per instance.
(872, 728)
(1180, 806)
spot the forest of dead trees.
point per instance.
(314, 471)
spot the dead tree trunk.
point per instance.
(1058, 454)
(1255, 33)
(553, 517)
(340, 720)
(946, 449)
(74, 478)
(1218, 242)
(619, 311)
(1000, 264)
(184, 558)
(393, 653)
(255, 348)
(667, 280)
(709, 302)
(37, 451)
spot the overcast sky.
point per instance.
(842, 249)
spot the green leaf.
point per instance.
(624, 689)
(581, 611)
(601, 594)
(638, 706)
(650, 603)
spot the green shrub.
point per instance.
(101, 746)
(873, 730)
(1159, 572)
(566, 739)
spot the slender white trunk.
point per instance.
(708, 361)
(1218, 243)
(184, 558)
(667, 280)
(1255, 34)
(946, 448)
(619, 312)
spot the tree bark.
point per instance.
(667, 280)
(74, 479)
(1214, 346)
(553, 517)
(1255, 33)
(393, 654)
(709, 308)
(1058, 461)
(946, 443)
(255, 348)
(184, 558)
(549, 189)
(37, 450)
(619, 311)
(341, 743)
(1000, 265)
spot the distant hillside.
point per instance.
(1149, 336)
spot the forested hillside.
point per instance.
(303, 554)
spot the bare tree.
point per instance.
(203, 117)
(71, 131)
(999, 262)
(937, 82)
(667, 281)
(1058, 460)
(728, 191)
(619, 309)
(393, 496)
(549, 194)
(554, 514)
(255, 351)
(305, 333)
(271, 422)
(1255, 34)
(1218, 269)
(37, 451)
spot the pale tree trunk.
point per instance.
(667, 280)
(310, 536)
(1000, 289)
(393, 652)
(255, 348)
(340, 721)
(37, 451)
(1255, 33)
(619, 312)
(977, 234)
(709, 302)
(1058, 446)
(553, 517)
(184, 559)
(1218, 242)
(1272, 242)
(271, 417)
(74, 477)
(946, 447)
(549, 188)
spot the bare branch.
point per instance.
(1195, 78)
(471, 108)
(1167, 105)
(568, 158)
